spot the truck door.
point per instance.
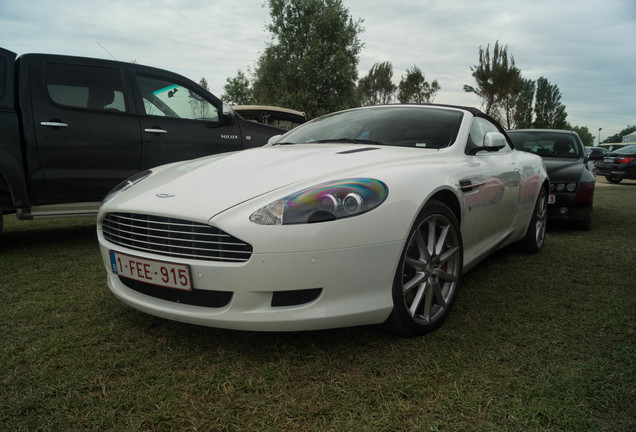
(88, 138)
(179, 122)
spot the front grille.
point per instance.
(173, 237)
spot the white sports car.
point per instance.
(364, 216)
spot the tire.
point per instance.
(586, 223)
(429, 272)
(613, 179)
(535, 234)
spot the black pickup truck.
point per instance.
(72, 128)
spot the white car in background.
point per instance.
(365, 216)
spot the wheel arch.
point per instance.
(447, 197)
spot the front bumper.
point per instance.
(571, 206)
(334, 288)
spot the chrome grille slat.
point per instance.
(173, 237)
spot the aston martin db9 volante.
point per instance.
(365, 216)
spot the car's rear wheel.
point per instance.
(429, 272)
(613, 179)
(535, 235)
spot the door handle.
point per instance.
(157, 131)
(53, 124)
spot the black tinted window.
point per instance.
(87, 87)
(548, 144)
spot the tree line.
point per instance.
(310, 64)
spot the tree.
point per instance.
(238, 90)
(311, 62)
(415, 89)
(376, 87)
(523, 109)
(584, 133)
(619, 136)
(497, 79)
(550, 112)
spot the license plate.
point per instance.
(608, 160)
(161, 273)
(552, 199)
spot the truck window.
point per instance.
(165, 98)
(87, 87)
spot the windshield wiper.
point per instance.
(347, 140)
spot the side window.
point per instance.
(166, 98)
(88, 87)
(478, 131)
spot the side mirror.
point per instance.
(596, 155)
(227, 109)
(494, 141)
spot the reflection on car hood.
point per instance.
(562, 170)
(219, 182)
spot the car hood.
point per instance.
(563, 170)
(210, 185)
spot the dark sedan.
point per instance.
(571, 181)
(618, 165)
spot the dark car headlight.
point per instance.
(324, 202)
(562, 187)
(125, 185)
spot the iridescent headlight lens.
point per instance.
(324, 202)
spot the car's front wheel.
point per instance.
(614, 179)
(586, 223)
(429, 272)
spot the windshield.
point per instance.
(407, 126)
(547, 144)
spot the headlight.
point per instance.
(125, 185)
(324, 202)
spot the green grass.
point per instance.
(540, 342)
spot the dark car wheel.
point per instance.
(614, 179)
(429, 272)
(586, 223)
(535, 235)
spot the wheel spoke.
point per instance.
(445, 276)
(413, 282)
(441, 241)
(439, 295)
(448, 254)
(418, 299)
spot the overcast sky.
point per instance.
(585, 47)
